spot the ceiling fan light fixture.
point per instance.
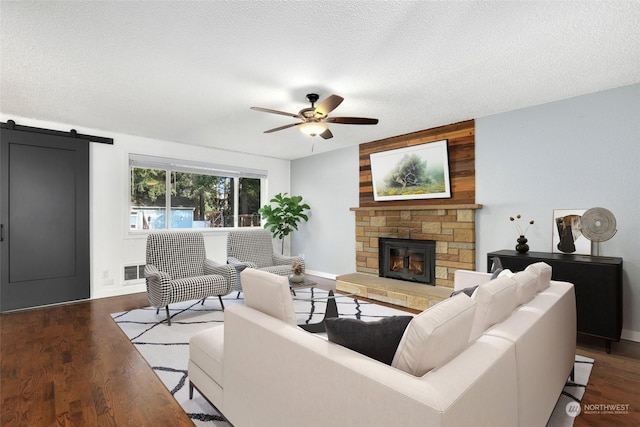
(312, 128)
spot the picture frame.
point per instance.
(566, 235)
(416, 172)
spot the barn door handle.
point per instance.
(1, 232)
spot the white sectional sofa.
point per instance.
(259, 369)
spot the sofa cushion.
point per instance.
(496, 300)
(378, 340)
(506, 273)
(526, 286)
(206, 349)
(435, 336)
(544, 271)
(268, 293)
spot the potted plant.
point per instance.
(286, 215)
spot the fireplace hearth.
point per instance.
(407, 259)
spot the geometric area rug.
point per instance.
(166, 348)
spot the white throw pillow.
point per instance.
(435, 336)
(526, 286)
(496, 300)
(544, 271)
(268, 293)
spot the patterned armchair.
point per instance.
(177, 269)
(254, 248)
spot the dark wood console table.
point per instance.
(598, 286)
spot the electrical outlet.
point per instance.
(105, 274)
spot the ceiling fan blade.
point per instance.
(281, 127)
(352, 120)
(283, 113)
(328, 105)
(326, 134)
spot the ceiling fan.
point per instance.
(315, 119)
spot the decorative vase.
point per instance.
(296, 278)
(522, 246)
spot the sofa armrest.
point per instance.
(226, 270)
(304, 370)
(466, 278)
(158, 285)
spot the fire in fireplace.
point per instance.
(407, 259)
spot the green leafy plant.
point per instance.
(286, 215)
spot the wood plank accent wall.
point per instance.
(461, 147)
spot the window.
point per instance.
(174, 194)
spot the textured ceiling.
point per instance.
(189, 71)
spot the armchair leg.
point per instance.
(238, 296)
(221, 303)
(168, 317)
(190, 390)
(202, 302)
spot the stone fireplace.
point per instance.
(450, 222)
(450, 227)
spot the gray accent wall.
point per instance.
(329, 184)
(577, 153)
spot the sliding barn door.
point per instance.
(44, 215)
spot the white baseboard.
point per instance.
(120, 290)
(630, 335)
(321, 274)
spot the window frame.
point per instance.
(171, 165)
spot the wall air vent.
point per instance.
(133, 274)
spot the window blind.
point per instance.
(189, 166)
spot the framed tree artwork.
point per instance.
(417, 172)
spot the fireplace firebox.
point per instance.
(407, 259)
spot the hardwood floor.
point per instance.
(70, 365)
(614, 380)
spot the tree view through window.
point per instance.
(191, 200)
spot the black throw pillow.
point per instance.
(378, 340)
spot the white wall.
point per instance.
(328, 182)
(112, 246)
(573, 154)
